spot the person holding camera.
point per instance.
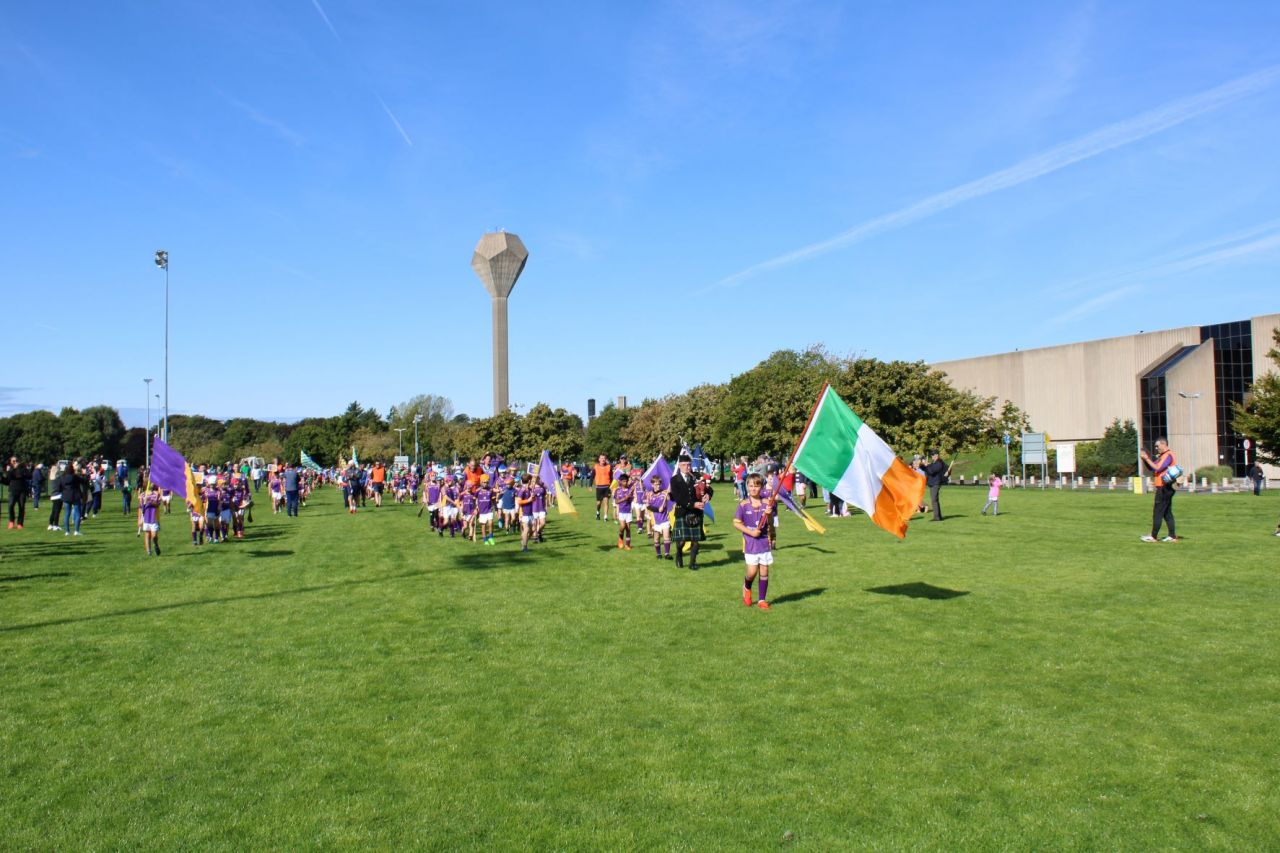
(1165, 472)
(937, 474)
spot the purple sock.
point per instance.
(666, 548)
(764, 588)
(657, 548)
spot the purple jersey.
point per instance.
(623, 496)
(660, 505)
(150, 503)
(451, 493)
(539, 498)
(750, 517)
(484, 501)
(433, 494)
(468, 503)
(211, 501)
(525, 494)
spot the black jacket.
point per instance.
(682, 494)
(70, 485)
(18, 479)
(935, 473)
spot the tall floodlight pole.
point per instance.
(401, 431)
(162, 261)
(417, 419)
(148, 441)
(1191, 397)
(498, 260)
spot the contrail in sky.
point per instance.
(1091, 145)
(393, 118)
(386, 109)
(327, 22)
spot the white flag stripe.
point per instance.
(861, 483)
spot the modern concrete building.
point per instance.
(1179, 383)
(498, 260)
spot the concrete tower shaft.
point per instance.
(498, 260)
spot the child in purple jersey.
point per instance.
(623, 497)
(197, 524)
(539, 509)
(150, 506)
(212, 510)
(524, 505)
(224, 517)
(484, 510)
(752, 521)
(431, 500)
(660, 518)
(452, 501)
(467, 502)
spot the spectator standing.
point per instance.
(1257, 475)
(72, 485)
(17, 476)
(55, 497)
(290, 489)
(37, 484)
(935, 474)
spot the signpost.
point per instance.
(1035, 451)
(1008, 439)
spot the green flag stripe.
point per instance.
(828, 448)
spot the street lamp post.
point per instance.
(148, 441)
(416, 420)
(1191, 397)
(401, 431)
(162, 261)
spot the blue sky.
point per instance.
(698, 185)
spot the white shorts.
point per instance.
(166, 498)
(765, 559)
(541, 516)
(486, 517)
(624, 518)
(451, 512)
(526, 519)
(661, 527)
(150, 528)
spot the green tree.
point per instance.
(80, 434)
(1258, 417)
(106, 421)
(558, 431)
(765, 408)
(604, 433)
(40, 436)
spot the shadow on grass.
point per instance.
(201, 602)
(918, 589)
(798, 596)
(277, 553)
(12, 578)
(805, 545)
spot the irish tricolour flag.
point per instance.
(841, 453)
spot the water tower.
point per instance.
(498, 260)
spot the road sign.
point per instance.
(1247, 444)
(1008, 439)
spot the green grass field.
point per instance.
(1038, 680)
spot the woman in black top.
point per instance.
(72, 485)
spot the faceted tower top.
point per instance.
(498, 260)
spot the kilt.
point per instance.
(682, 531)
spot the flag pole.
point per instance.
(773, 498)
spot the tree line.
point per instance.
(763, 410)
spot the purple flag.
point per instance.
(168, 468)
(547, 473)
(662, 469)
